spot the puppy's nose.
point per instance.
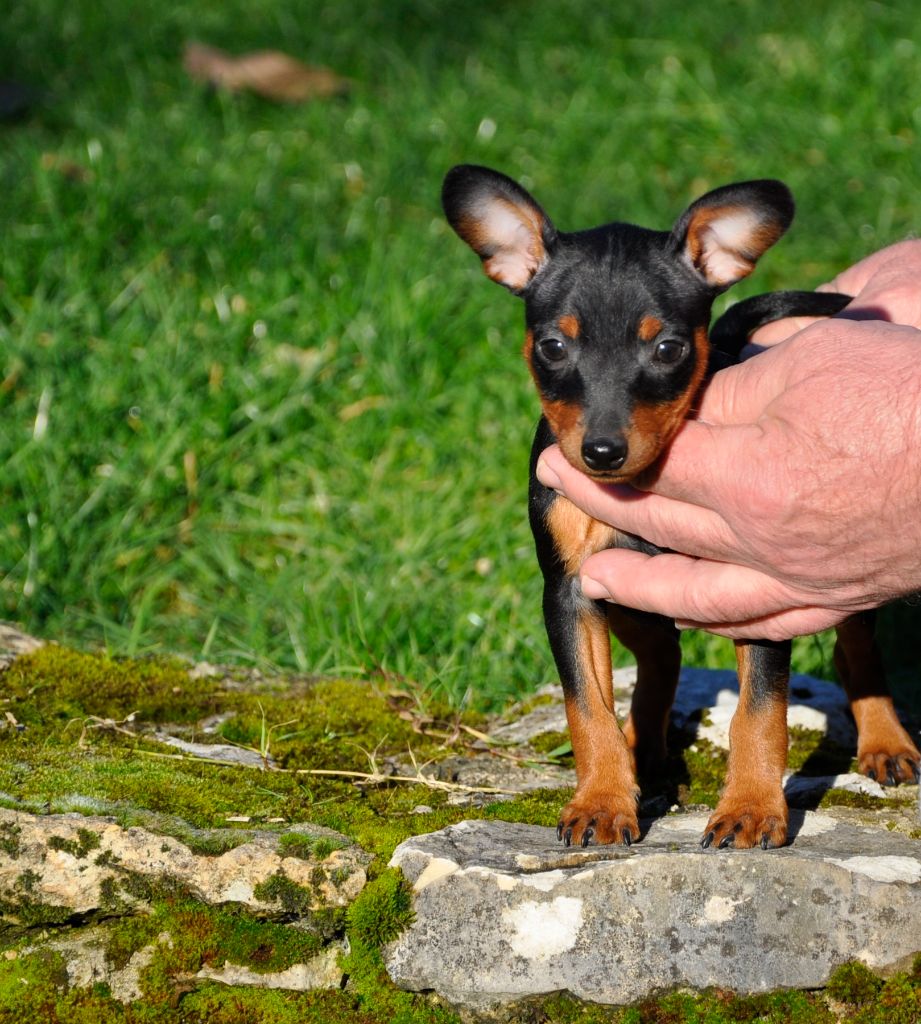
(604, 453)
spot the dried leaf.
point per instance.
(270, 73)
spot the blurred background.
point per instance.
(257, 402)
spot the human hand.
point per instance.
(794, 495)
(885, 286)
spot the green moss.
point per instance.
(554, 744)
(381, 912)
(55, 684)
(295, 844)
(873, 1000)
(86, 841)
(898, 1002)
(21, 909)
(293, 899)
(383, 909)
(20, 913)
(110, 900)
(127, 935)
(9, 839)
(149, 888)
(845, 798)
(854, 983)
(705, 765)
(125, 775)
(521, 708)
(307, 847)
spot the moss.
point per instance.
(110, 902)
(190, 798)
(854, 983)
(9, 839)
(803, 745)
(553, 744)
(27, 880)
(323, 847)
(845, 798)
(521, 708)
(21, 913)
(380, 913)
(382, 910)
(898, 1002)
(293, 899)
(149, 888)
(705, 765)
(56, 684)
(127, 935)
(307, 847)
(34, 988)
(21, 909)
(86, 841)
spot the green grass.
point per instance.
(286, 417)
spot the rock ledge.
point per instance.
(503, 912)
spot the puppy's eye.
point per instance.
(668, 352)
(554, 351)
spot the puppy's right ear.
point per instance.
(503, 225)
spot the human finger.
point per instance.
(902, 255)
(705, 463)
(783, 625)
(885, 286)
(683, 588)
(779, 330)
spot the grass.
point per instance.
(258, 404)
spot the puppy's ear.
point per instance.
(725, 232)
(503, 225)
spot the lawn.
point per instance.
(257, 402)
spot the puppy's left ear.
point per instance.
(724, 233)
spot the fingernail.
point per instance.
(546, 475)
(594, 590)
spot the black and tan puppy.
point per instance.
(617, 342)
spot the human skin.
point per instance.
(794, 494)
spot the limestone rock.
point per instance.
(323, 971)
(13, 643)
(85, 962)
(69, 865)
(504, 912)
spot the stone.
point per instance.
(323, 971)
(13, 643)
(73, 865)
(504, 912)
(85, 962)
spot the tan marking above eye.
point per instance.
(649, 327)
(569, 325)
